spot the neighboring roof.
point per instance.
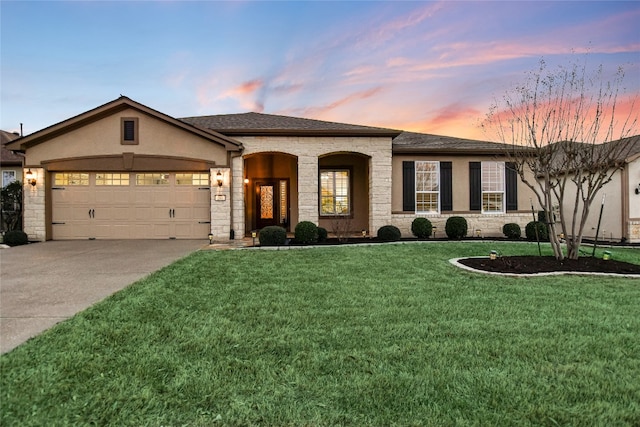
(108, 109)
(7, 157)
(412, 142)
(270, 124)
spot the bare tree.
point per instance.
(566, 140)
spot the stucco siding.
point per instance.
(103, 138)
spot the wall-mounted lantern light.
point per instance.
(638, 189)
(246, 181)
(210, 238)
(219, 179)
(31, 179)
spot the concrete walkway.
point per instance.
(44, 283)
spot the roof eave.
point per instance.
(309, 132)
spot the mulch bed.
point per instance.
(547, 264)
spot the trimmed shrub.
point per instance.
(322, 234)
(389, 233)
(543, 231)
(306, 232)
(456, 227)
(272, 236)
(511, 230)
(421, 228)
(15, 238)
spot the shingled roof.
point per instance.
(8, 157)
(271, 124)
(412, 142)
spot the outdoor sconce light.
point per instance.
(246, 181)
(210, 238)
(493, 255)
(638, 189)
(30, 178)
(219, 178)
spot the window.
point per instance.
(114, 179)
(8, 177)
(492, 187)
(427, 187)
(71, 178)
(152, 179)
(430, 192)
(192, 179)
(129, 131)
(335, 192)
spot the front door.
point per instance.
(272, 202)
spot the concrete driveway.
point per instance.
(44, 283)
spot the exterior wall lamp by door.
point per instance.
(31, 178)
(219, 178)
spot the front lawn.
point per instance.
(375, 335)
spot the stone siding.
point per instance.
(634, 231)
(220, 209)
(489, 225)
(34, 206)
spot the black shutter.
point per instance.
(446, 186)
(408, 186)
(475, 186)
(129, 130)
(511, 187)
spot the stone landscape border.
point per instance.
(455, 262)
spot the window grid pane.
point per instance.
(427, 187)
(192, 179)
(493, 187)
(334, 192)
(152, 179)
(71, 178)
(112, 179)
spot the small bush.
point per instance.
(421, 228)
(389, 233)
(272, 236)
(456, 227)
(15, 238)
(322, 234)
(306, 233)
(511, 230)
(530, 231)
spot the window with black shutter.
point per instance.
(511, 181)
(408, 186)
(475, 186)
(446, 186)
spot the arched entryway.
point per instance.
(344, 192)
(271, 196)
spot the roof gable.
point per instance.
(108, 109)
(7, 157)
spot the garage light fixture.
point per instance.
(31, 178)
(219, 178)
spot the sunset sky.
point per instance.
(431, 67)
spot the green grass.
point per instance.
(380, 335)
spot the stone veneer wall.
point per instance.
(34, 206)
(490, 225)
(220, 224)
(634, 231)
(308, 150)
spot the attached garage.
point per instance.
(126, 171)
(143, 205)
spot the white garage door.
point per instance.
(130, 205)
